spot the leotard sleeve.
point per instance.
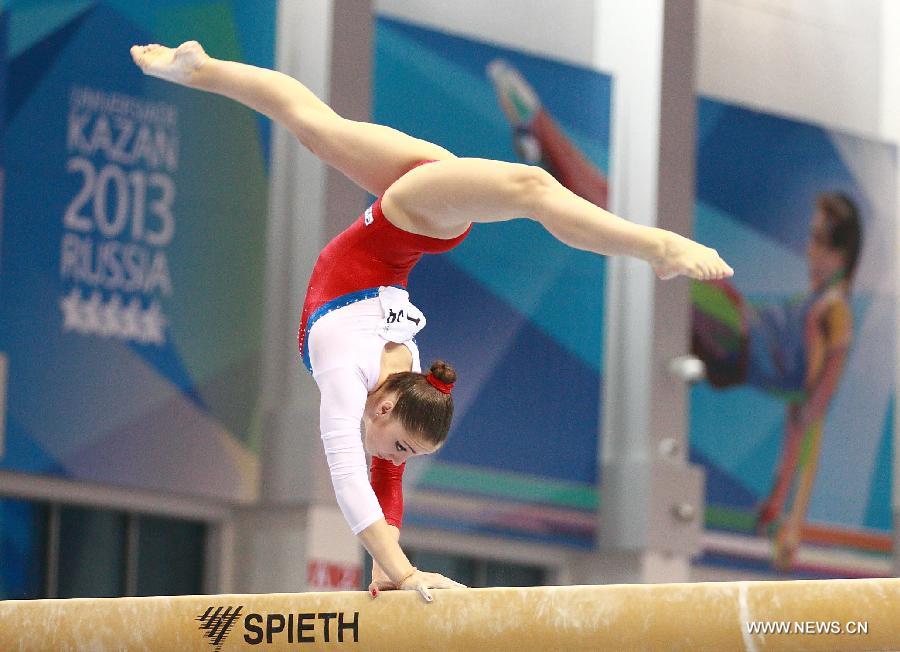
(340, 412)
(345, 355)
(387, 481)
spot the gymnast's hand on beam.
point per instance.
(419, 581)
(380, 581)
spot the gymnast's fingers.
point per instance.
(437, 581)
(425, 593)
(422, 582)
(377, 586)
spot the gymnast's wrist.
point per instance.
(405, 577)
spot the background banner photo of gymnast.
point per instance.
(794, 423)
(521, 457)
(133, 249)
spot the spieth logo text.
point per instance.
(216, 624)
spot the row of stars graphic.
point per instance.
(113, 318)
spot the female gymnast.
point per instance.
(357, 325)
(794, 350)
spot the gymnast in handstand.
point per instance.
(357, 323)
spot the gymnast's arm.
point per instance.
(343, 401)
(827, 356)
(387, 482)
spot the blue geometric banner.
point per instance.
(518, 313)
(132, 274)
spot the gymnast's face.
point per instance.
(385, 437)
(824, 260)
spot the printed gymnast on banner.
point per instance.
(357, 324)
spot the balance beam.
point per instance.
(819, 615)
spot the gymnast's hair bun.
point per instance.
(443, 371)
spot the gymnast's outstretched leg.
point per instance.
(442, 199)
(373, 156)
(436, 200)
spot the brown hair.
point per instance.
(421, 407)
(844, 227)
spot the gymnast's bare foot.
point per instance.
(175, 65)
(681, 256)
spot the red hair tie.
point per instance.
(439, 385)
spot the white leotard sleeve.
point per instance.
(345, 352)
(343, 401)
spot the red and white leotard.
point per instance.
(341, 346)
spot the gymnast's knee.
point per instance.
(534, 187)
